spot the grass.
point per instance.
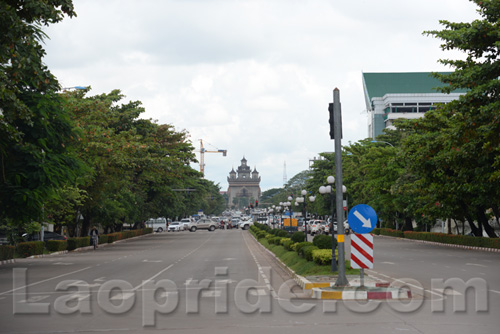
(300, 265)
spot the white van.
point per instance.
(157, 224)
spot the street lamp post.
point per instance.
(340, 225)
(328, 190)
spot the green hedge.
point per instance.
(57, 245)
(454, 239)
(323, 241)
(322, 256)
(30, 248)
(392, 233)
(7, 252)
(78, 242)
(464, 240)
(298, 236)
(300, 245)
(307, 252)
(288, 244)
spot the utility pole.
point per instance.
(337, 114)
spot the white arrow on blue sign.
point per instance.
(362, 218)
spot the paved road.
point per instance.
(223, 282)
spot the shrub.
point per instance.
(323, 241)
(307, 252)
(26, 249)
(287, 243)
(103, 239)
(278, 240)
(74, 243)
(7, 252)
(298, 246)
(322, 256)
(273, 240)
(57, 245)
(261, 234)
(376, 231)
(298, 237)
(282, 234)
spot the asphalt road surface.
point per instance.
(224, 282)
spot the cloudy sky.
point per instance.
(253, 77)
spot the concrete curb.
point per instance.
(7, 261)
(484, 249)
(356, 293)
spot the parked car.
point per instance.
(46, 236)
(175, 227)
(185, 223)
(203, 224)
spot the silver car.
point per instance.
(203, 224)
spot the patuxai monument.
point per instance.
(244, 186)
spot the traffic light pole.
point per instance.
(337, 114)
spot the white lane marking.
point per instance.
(45, 280)
(257, 292)
(122, 296)
(152, 261)
(211, 293)
(476, 264)
(406, 283)
(495, 291)
(170, 266)
(34, 299)
(448, 292)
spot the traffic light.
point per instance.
(256, 204)
(330, 111)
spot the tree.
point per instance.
(470, 152)
(35, 132)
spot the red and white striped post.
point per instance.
(362, 252)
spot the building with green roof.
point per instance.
(409, 95)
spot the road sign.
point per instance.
(362, 219)
(362, 251)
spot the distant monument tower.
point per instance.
(244, 186)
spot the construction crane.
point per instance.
(202, 156)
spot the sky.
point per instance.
(253, 77)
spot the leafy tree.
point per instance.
(468, 152)
(35, 132)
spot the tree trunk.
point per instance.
(496, 211)
(85, 225)
(483, 220)
(408, 226)
(477, 231)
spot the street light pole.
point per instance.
(328, 190)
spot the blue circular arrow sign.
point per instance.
(362, 218)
